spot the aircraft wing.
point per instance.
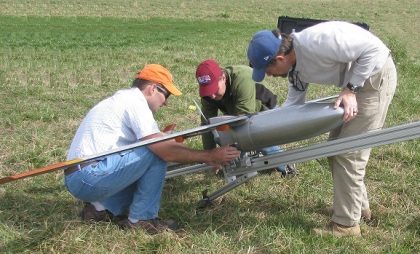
(178, 136)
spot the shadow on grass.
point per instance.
(233, 211)
(36, 214)
(414, 226)
(32, 216)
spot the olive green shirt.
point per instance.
(241, 97)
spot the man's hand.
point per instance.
(348, 99)
(222, 156)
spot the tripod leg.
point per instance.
(207, 199)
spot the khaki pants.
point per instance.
(348, 170)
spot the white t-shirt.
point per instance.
(119, 120)
(335, 53)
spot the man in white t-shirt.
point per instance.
(131, 182)
(347, 56)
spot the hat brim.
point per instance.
(258, 74)
(172, 89)
(208, 90)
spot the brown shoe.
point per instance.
(152, 227)
(338, 230)
(89, 213)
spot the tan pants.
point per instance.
(348, 170)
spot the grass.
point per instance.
(59, 58)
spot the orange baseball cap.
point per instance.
(159, 74)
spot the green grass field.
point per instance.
(59, 58)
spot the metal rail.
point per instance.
(370, 139)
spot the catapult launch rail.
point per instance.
(375, 138)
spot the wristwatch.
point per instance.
(353, 88)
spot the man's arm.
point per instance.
(209, 111)
(172, 151)
(294, 97)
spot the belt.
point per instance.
(72, 169)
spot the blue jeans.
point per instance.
(131, 180)
(271, 150)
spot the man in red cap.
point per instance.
(232, 91)
(132, 180)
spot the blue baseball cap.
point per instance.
(262, 48)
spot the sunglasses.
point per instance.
(163, 90)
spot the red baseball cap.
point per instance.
(208, 74)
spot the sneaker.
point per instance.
(152, 227)
(337, 230)
(89, 213)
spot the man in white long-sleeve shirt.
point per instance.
(347, 56)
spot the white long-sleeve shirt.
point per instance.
(335, 53)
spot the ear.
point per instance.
(224, 76)
(280, 58)
(149, 90)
